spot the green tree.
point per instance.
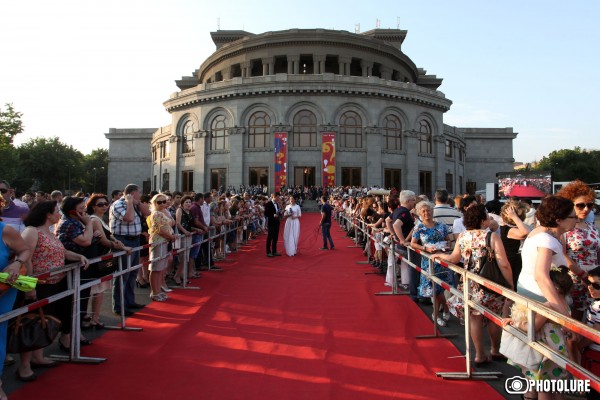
(10, 126)
(96, 166)
(48, 164)
(567, 165)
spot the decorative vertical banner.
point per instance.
(280, 160)
(328, 164)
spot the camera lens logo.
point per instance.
(516, 385)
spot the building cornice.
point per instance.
(316, 85)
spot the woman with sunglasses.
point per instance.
(96, 207)
(581, 244)
(160, 228)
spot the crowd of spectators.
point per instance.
(84, 226)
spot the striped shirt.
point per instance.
(120, 227)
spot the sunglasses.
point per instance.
(101, 204)
(3, 190)
(581, 206)
(594, 285)
(159, 202)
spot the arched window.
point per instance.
(305, 129)
(351, 130)
(219, 138)
(187, 137)
(259, 129)
(425, 137)
(392, 133)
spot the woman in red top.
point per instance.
(48, 254)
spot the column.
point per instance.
(246, 69)
(295, 61)
(319, 63)
(345, 65)
(386, 73)
(200, 139)
(410, 169)
(366, 68)
(268, 65)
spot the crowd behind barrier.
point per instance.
(380, 249)
(360, 230)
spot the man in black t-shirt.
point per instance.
(325, 223)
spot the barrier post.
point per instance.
(74, 356)
(355, 223)
(186, 262)
(436, 306)
(394, 292)
(480, 375)
(123, 326)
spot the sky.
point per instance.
(77, 68)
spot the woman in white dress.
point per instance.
(291, 233)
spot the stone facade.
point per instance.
(387, 115)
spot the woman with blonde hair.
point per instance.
(160, 229)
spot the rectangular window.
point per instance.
(351, 177)
(425, 183)
(165, 182)
(461, 154)
(187, 181)
(449, 149)
(450, 183)
(258, 176)
(218, 178)
(392, 178)
(154, 182)
(164, 149)
(187, 144)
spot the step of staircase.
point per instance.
(310, 206)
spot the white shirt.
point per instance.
(529, 254)
(205, 213)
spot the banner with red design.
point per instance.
(328, 164)
(280, 160)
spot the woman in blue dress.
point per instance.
(14, 253)
(431, 236)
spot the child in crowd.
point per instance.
(547, 332)
(591, 354)
(378, 238)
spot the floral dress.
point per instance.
(551, 334)
(473, 250)
(435, 236)
(582, 247)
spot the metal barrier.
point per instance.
(75, 287)
(533, 307)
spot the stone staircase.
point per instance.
(310, 206)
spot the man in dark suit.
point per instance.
(272, 214)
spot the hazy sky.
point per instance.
(77, 68)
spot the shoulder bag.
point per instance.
(31, 331)
(489, 266)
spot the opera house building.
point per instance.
(309, 107)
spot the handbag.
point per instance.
(107, 267)
(518, 352)
(489, 266)
(31, 331)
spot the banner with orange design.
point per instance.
(280, 160)
(328, 156)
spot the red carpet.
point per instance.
(303, 327)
